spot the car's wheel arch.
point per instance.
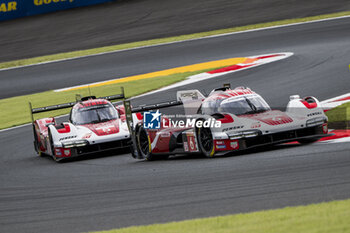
(209, 152)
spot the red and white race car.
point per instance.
(229, 120)
(95, 125)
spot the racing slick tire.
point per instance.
(143, 145)
(36, 143)
(205, 141)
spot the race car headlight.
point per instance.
(315, 121)
(76, 143)
(81, 143)
(244, 134)
(67, 144)
(236, 135)
(249, 134)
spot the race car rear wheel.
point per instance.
(205, 141)
(37, 143)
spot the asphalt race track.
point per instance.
(314, 46)
(123, 21)
(38, 195)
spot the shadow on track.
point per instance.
(182, 157)
(253, 151)
(92, 156)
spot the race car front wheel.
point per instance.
(308, 140)
(205, 141)
(144, 145)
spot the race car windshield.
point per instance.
(94, 114)
(210, 107)
(244, 105)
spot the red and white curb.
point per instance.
(335, 102)
(340, 135)
(256, 61)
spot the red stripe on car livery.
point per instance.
(104, 128)
(274, 117)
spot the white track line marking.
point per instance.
(180, 41)
(15, 127)
(27, 124)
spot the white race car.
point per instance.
(95, 125)
(236, 119)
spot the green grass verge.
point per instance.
(87, 52)
(15, 110)
(339, 114)
(324, 217)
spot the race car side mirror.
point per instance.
(51, 123)
(294, 97)
(227, 85)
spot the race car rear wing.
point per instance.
(182, 98)
(143, 108)
(190, 99)
(71, 104)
